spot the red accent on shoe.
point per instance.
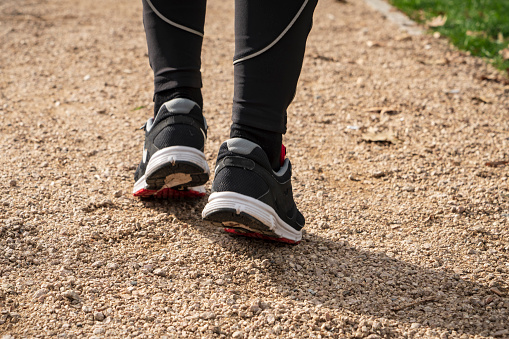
(144, 193)
(168, 193)
(261, 236)
(282, 155)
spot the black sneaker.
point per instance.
(249, 198)
(173, 163)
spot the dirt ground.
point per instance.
(405, 238)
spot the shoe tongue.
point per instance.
(282, 155)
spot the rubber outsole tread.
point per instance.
(169, 193)
(245, 225)
(157, 179)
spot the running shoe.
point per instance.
(173, 163)
(251, 199)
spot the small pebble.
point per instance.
(99, 316)
(40, 293)
(112, 266)
(237, 334)
(323, 225)
(255, 309)
(148, 269)
(86, 309)
(270, 319)
(162, 272)
(208, 315)
(97, 264)
(501, 333)
(72, 295)
(98, 330)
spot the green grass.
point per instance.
(486, 21)
(138, 108)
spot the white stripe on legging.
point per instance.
(269, 46)
(190, 30)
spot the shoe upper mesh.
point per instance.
(181, 135)
(234, 179)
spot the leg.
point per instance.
(270, 39)
(174, 31)
(173, 163)
(252, 192)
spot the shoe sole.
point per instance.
(174, 172)
(246, 216)
(170, 193)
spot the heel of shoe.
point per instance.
(237, 211)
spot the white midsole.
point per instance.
(171, 155)
(177, 153)
(255, 208)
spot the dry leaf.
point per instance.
(384, 136)
(477, 34)
(389, 111)
(382, 110)
(499, 293)
(373, 44)
(403, 37)
(322, 57)
(505, 53)
(437, 21)
(500, 38)
(497, 163)
(442, 61)
(494, 78)
(481, 99)
(351, 177)
(439, 62)
(374, 109)
(452, 91)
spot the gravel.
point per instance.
(406, 237)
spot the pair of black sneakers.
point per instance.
(248, 197)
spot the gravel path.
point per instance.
(406, 237)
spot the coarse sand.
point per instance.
(406, 237)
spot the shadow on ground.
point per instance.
(336, 275)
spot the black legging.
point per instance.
(270, 39)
